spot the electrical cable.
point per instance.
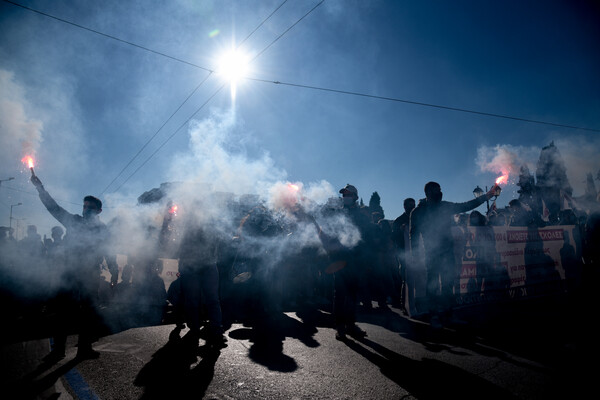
(170, 137)
(156, 133)
(36, 194)
(261, 24)
(287, 30)
(107, 35)
(488, 114)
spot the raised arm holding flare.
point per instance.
(86, 243)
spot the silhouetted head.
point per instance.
(349, 195)
(92, 206)
(56, 233)
(31, 230)
(477, 219)
(433, 192)
(514, 204)
(409, 205)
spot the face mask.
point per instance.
(89, 213)
(348, 201)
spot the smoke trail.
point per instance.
(579, 154)
(505, 159)
(18, 129)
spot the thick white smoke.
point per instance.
(216, 183)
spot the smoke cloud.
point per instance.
(224, 191)
(579, 153)
(505, 159)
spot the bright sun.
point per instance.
(233, 65)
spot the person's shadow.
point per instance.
(428, 378)
(267, 335)
(174, 371)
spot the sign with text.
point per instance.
(510, 262)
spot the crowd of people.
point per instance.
(219, 277)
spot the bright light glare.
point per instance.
(233, 65)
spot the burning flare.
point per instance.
(502, 179)
(173, 210)
(28, 160)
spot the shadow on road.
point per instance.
(427, 378)
(267, 334)
(174, 371)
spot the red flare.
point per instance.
(173, 210)
(502, 179)
(28, 160)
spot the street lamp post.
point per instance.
(478, 192)
(11, 207)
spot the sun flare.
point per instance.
(233, 65)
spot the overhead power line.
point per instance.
(488, 114)
(108, 36)
(287, 30)
(261, 24)
(171, 137)
(36, 195)
(156, 133)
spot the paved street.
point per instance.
(295, 356)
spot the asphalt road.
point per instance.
(295, 355)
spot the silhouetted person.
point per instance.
(55, 257)
(124, 298)
(198, 256)
(567, 217)
(56, 234)
(85, 250)
(540, 269)
(32, 245)
(389, 273)
(521, 216)
(31, 264)
(432, 221)
(150, 292)
(400, 236)
(491, 274)
(347, 279)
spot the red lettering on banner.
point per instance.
(554, 234)
(517, 236)
(468, 271)
(545, 235)
(516, 281)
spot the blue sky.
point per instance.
(86, 103)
